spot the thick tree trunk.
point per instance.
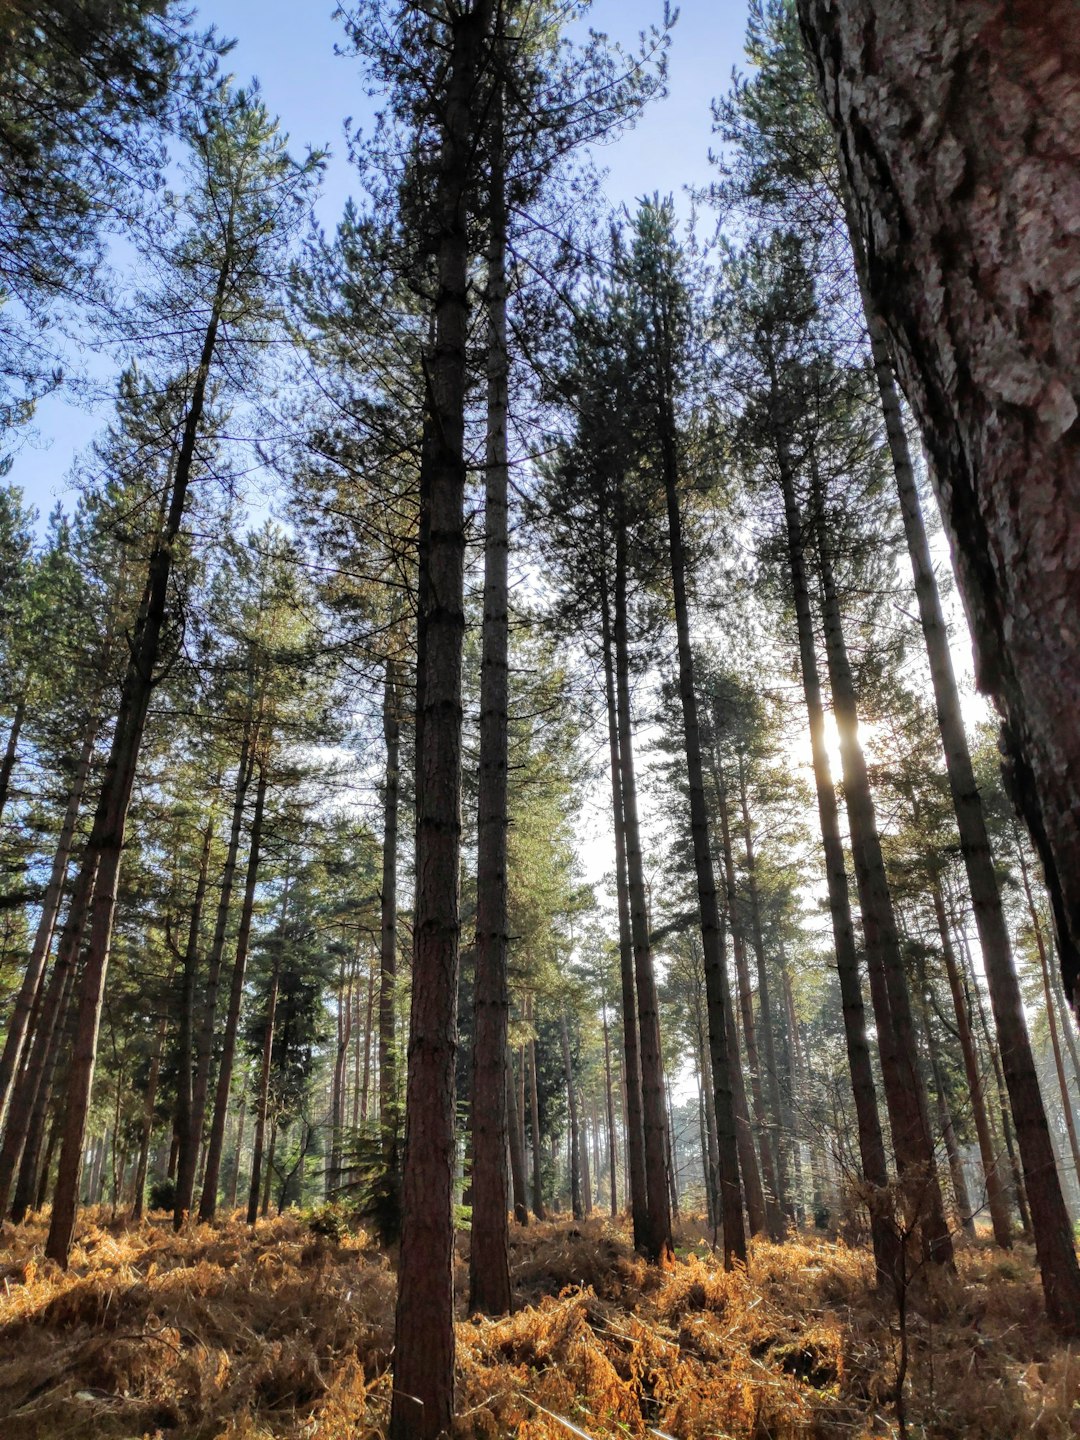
(226, 1060)
(959, 147)
(106, 840)
(995, 1190)
(489, 1253)
(658, 1242)
(871, 1143)
(723, 1057)
(905, 1091)
(19, 1020)
(186, 1119)
(422, 1406)
(635, 1138)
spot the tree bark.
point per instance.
(948, 1131)
(389, 1111)
(635, 1137)
(958, 145)
(576, 1204)
(18, 1026)
(871, 1143)
(515, 1141)
(609, 1110)
(489, 1253)
(658, 1241)
(422, 1406)
(11, 750)
(904, 1088)
(186, 1119)
(262, 1104)
(226, 1060)
(106, 840)
(539, 1209)
(995, 1190)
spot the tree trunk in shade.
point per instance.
(959, 137)
(658, 1241)
(7, 764)
(515, 1141)
(422, 1405)
(635, 1139)
(539, 1209)
(389, 1116)
(576, 1202)
(216, 1145)
(186, 1119)
(871, 1142)
(29, 991)
(489, 1252)
(904, 1088)
(992, 1172)
(609, 1114)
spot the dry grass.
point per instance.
(223, 1335)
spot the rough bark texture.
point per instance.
(423, 1400)
(959, 135)
(489, 1252)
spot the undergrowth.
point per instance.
(224, 1334)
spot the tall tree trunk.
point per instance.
(29, 991)
(186, 1118)
(11, 750)
(723, 1057)
(106, 841)
(772, 1078)
(904, 1088)
(204, 1045)
(635, 1136)
(227, 1058)
(753, 1190)
(948, 1131)
(149, 1101)
(262, 1104)
(489, 1253)
(995, 1190)
(609, 1110)
(422, 1406)
(339, 1079)
(27, 1115)
(234, 1176)
(515, 1141)
(1048, 997)
(539, 1209)
(389, 1116)
(762, 1121)
(985, 327)
(576, 1204)
(871, 1143)
(658, 1242)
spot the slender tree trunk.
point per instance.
(489, 1253)
(204, 1045)
(339, 1080)
(149, 1101)
(997, 1200)
(186, 1118)
(515, 1140)
(761, 1120)
(609, 1108)
(422, 1406)
(583, 1157)
(234, 1177)
(19, 1020)
(905, 1092)
(264, 1204)
(27, 1111)
(534, 1122)
(1055, 1042)
(389, 1116)
(635, 1135)
(263, 1102)
(575, 1135)
(871, 1143)
(208, 1198)
(10, 750)
(106, 840)
(658, 1242)
(724, 1058)
(772, 1076)
(753, 1190)
(948, 1131)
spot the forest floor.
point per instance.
(222, 1334)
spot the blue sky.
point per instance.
(289, 46)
